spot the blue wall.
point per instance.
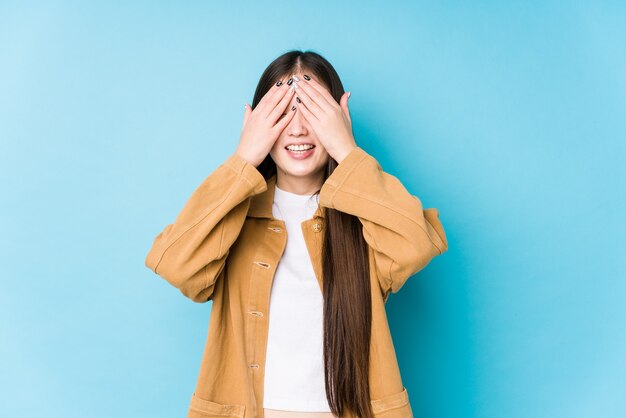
(509, 117)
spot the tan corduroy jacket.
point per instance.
(225, 245)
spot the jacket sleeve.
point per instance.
(404, 237)
(191, 252)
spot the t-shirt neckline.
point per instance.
(289, 198)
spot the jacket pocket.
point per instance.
(395, 405)
(204, 408)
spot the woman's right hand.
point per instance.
(262, 127)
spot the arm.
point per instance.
(404, 237)
(191, 253)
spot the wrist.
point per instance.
(246, 158)
(339, 156)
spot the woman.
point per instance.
(301, 216)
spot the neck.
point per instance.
(306, 185)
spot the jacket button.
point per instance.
(275, 228)
(317, 227)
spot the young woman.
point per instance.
(298, 238)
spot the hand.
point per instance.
(260, 129)
(330, 120)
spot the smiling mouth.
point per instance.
(301, 154)
(296, 149)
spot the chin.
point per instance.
(301, 171)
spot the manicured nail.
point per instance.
(279, 83)
(290, 81)
(306, 77)
(295, 77)
(298, 99)
(349, 94)
(293, 107)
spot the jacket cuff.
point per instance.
(247, 171)
(340, 174)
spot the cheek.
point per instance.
(325, 157)
(275, 148)
(322, 150)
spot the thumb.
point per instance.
(246, 114)
(343, 102)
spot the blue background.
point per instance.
(509, 117)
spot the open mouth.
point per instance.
(300, 151)
(299, 148)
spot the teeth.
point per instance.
(299, 147)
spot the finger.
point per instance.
(316, 98)
(274, 102)
(271, 97)
(311, 104)
(302, 107)
(319, 93)
(290, 113)
(280, 107)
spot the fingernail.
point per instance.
(279, 83)
(290, 81)
(349, 94)
(295, 77)
(293, 107)
(306, 77)
(298, 99)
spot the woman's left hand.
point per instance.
(330, 120)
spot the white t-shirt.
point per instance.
(294, 369)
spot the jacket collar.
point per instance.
(261, 204)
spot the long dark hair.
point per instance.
(346, 289)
